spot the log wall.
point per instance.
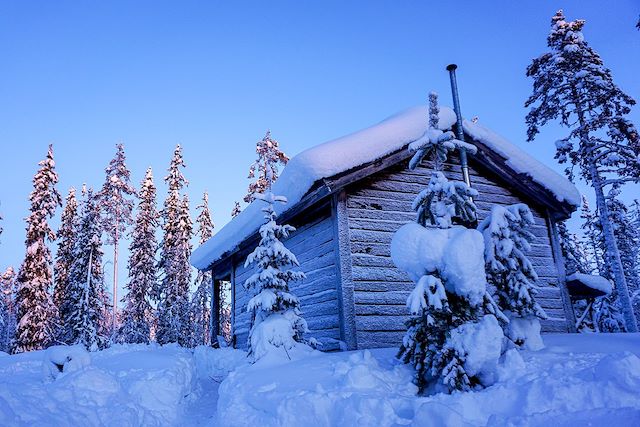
(380, 204)
(313, 245)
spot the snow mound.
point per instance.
(60, 360)
(272, 341)
(457, 253)
(216, 363)
(525, 330)
(521, 162)
(481, 344)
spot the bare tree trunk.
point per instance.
(115, 279)
(612, 252)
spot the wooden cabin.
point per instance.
(348, 196)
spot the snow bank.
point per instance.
(216, 363)
(126, 385)
(337, 389)
(457, 253)
(521, 162)
(592, 385)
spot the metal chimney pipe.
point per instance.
(459, 131)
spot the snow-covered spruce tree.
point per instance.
(173, 307)
(447, 264)
(593, 235)
(116, 200)
(137, 311)
(634, 218)
(37, 315)
(277, 320)
(86, 305)
(64, 255)
(7, 309)
(627, 238)
(236, 210)
(507, 241)
(201, 299)
(269, 157)
(572, 85)
(574, 251)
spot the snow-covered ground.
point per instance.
(576, 380)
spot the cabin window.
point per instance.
(221, 307)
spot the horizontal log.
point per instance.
(381, 323)
(369, 339)
(381, 310)
(384, 249)
(383, 286)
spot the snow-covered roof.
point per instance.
(521, 162)
(349, 152)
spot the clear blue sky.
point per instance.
(213, 77)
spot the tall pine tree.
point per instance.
(86, 294)
(627, 239)
(173, 293)
(116, 200)
(36, 312)
(572, 85)
(64, 256)
(137, 311)
(201, 300)
(573, 250)
(265, 167)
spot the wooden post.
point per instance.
(345, 289)
(213, 315)
(233, 304)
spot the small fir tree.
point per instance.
(271, 281)
(572, 85)
(36, 312)
(265, 167)
(507, 241)
(137, 311)
(116, 200)
(86, 296)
